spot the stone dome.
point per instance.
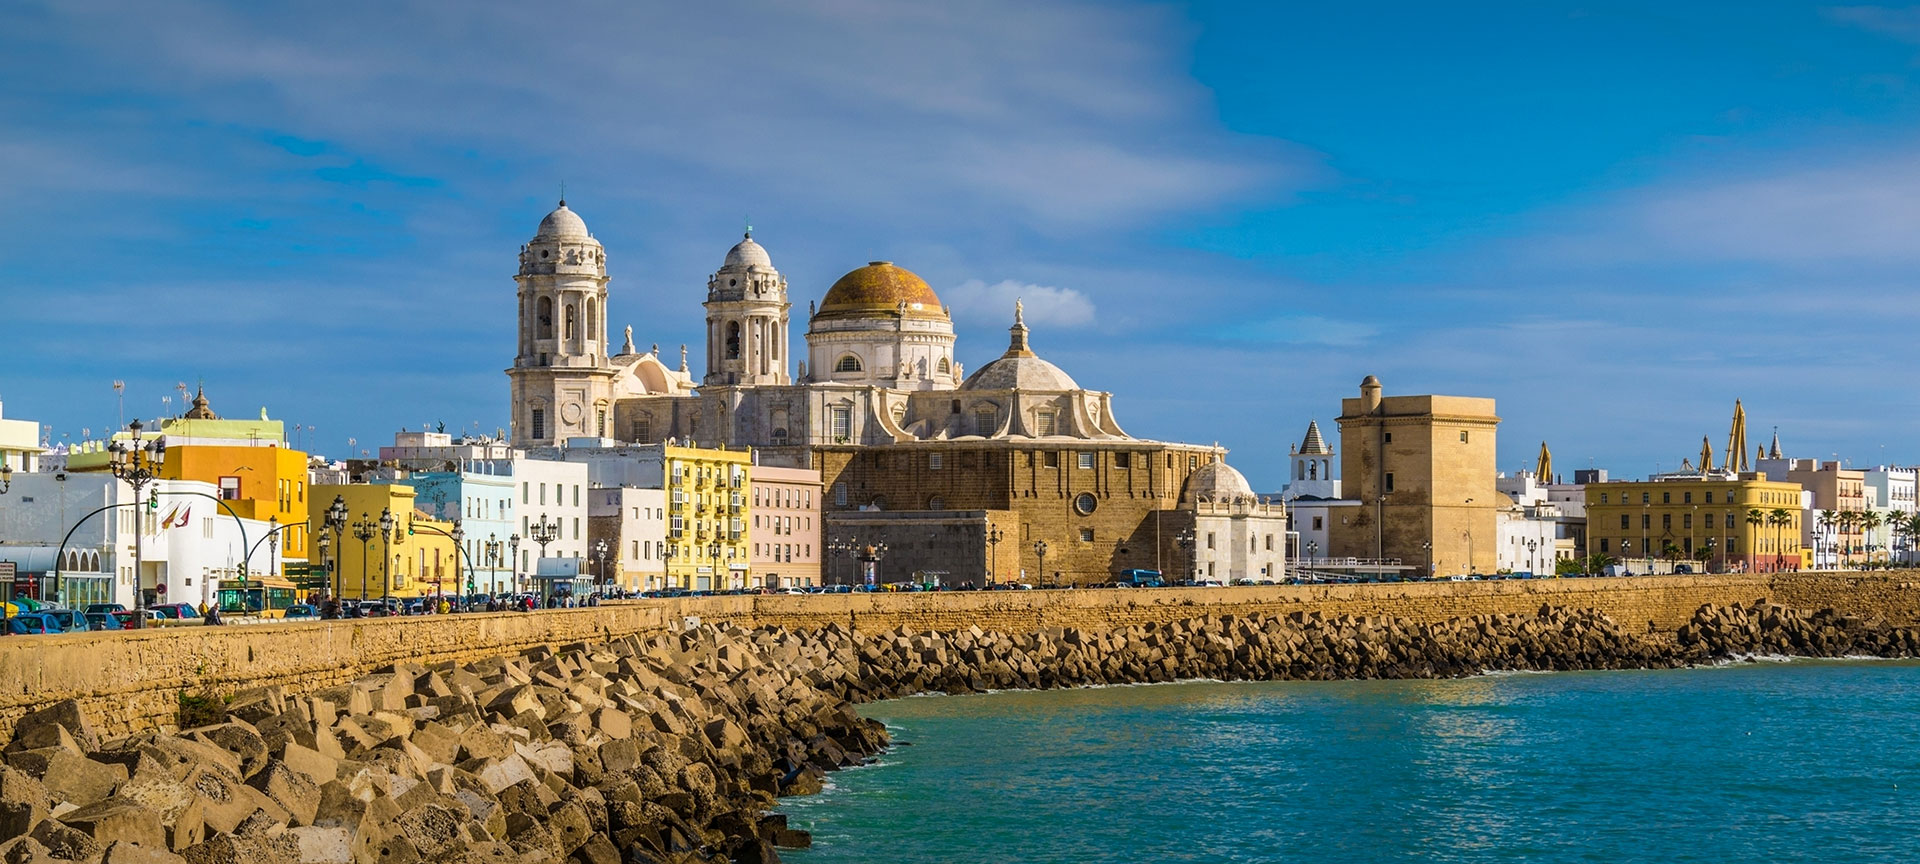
(746, 254)
(562, 223)
(1014, 372)
(1217, 481)
(879, 289)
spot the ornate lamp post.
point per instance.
(6, 476)
(386, 558)
(841, 546)
(363, 532)
(993, 542)
(1040, 552)
(493, 564)
(1426, 547)
(713, 564)
(326, 559)
(1184, 540)
(600, 552)
(543, 532)
(137, 462)
(336, 520)
(459, 536)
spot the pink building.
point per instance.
(786, 526)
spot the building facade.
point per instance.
(1422, 468)
(187, 545)
(786, 524)
(20, 445)
(633, 524)
(1721, 520)
(1839, 505)
(879, 374)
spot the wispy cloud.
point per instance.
(1899, 23)
(976, 302)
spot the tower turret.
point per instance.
(747, 313)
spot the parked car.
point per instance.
(126, 616)
(33, 624)
(102, 621)
(105, 607)
(70, 620)
(176, 611)
(302, 610)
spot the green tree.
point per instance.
(1778, 518)
(1756, 518)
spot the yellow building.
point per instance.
(707, 517)
(1727, 521)
(1422, 468)
(257, 476)
(416, 558)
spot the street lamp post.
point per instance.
(336, 520)
(993, 543)
(600, 552)
(273, 550)
(1426, 546)
(1184, 540)
(459, 536)
(363, 532)
(1040, 552)
(543, 532)
(386, 559)
(513, 548)
(6, 476)
(137, 462)
(493, 564)
(326, 560)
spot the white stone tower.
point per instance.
(747, 312)
(1315, 468)
(562, 383)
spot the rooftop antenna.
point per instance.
(563, 193)
(120, 393)
(749, 221)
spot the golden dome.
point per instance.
(878, 289)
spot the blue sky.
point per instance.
(1614, 219)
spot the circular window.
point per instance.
(936, 503)
(1084, 504)
(543, 253)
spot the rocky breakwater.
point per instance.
(665, 749)
(672, 748)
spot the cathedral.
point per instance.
(1014, 471)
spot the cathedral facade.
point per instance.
(1032, 473)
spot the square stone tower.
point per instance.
(1422, 468)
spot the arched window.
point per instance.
(1300, 471)
(1313, 470)
(848, 363)
(567, 329)
(733, 340)
(543, 318)
(945, 367)
(593, 319)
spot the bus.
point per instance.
(267, 596)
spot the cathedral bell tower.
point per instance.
(747, 312)
(562, 383)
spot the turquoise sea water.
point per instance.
(1802, 761)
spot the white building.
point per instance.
(1890, 490)
(20, 445)
(538, 489)
(187, 543)
(633, 522)
(1528, 538)
(1238, 536)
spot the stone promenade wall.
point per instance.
(133, 680)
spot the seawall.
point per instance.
(129, 681)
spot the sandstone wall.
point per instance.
(133, 680)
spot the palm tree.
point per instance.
(1755, 517)
(1847, 520)
(1869, 521)
(1827, 520)
(1778, 518)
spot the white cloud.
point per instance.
(977, 302)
